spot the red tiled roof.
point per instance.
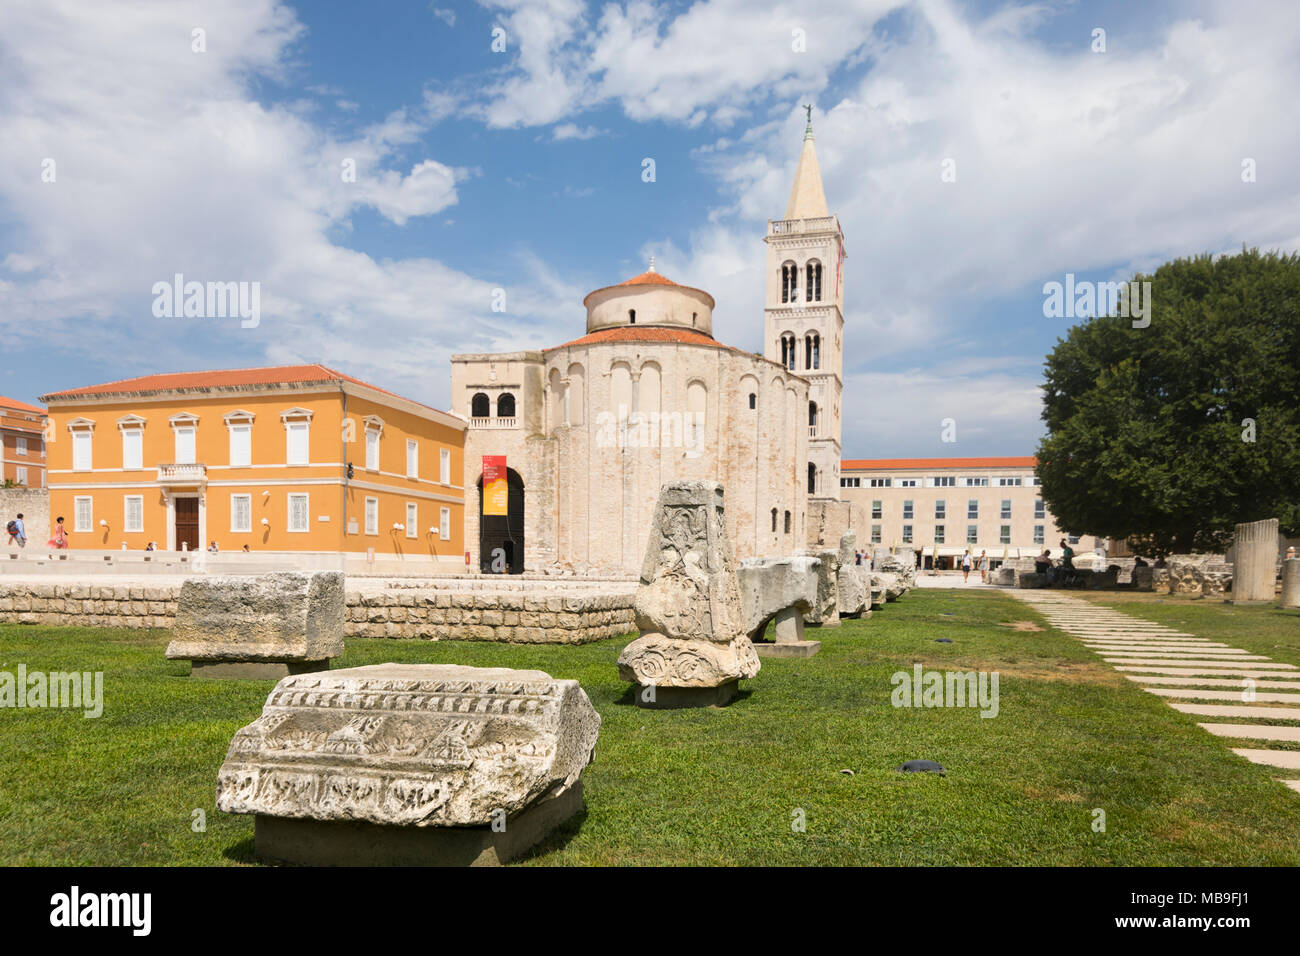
(650, 278)
(646, 333)
(220, 378)
(899, 464)
(20, 406)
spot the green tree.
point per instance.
(1172, 433)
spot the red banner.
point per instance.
(496, 490)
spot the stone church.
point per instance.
(592, 428)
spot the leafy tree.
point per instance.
(1173, 433)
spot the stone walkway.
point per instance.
(1193, 672)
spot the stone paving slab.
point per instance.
(1196, 693)
(1182, 670)
(1213, 681)
(1254, 731)
(1293, 784)
(1192, 653)
(1238, 710)
(1290, 759)
(1197, 662)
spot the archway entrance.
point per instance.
(501, 537)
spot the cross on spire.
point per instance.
(808, 108)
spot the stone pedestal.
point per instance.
(1291, 582)
(787, 637)
(410, 764)
(687, 606)
(1254, 572)
(259, 626)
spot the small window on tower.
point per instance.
(787, 522)
(753, 402)
(631, 316)
(773, 520)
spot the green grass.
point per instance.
(710, 786)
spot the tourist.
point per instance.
(212, 548)
(245, 549)
(1067, 559)
(17, 531)
(1043, 562)
(965, 566)
(1290, 552)
(59, 539)
(150, 547)
(857, 556)
(984, 566)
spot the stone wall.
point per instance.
(34, 504)
(544, 617)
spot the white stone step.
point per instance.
(1196, 693)
(1238, 710)
(1254, 731)
(1187, 662)
(1183, 669)
(1214, 681)
(1289, 759)
(1293, 784)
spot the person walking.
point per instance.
(17, 531)
(984, 566)
(58, 540)
(965, 566)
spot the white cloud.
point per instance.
(573, 131)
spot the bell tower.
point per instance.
(804, 312)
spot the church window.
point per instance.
(812, 478)
(789, 282)
(480, 406)
(506, 406)
(773, 520)
(631, 316)
(812, 417)
(753, 402)
(814, 282)
(812, 351)
(788, 350)
(787, 522)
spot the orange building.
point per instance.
(22, 434)
(291, 458)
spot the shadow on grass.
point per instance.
(242, 852)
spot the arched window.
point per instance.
(788, 350)
(812, 478)
(787, 522)
(631, 316)
(480, 406)
(789, 282)
(753, 400)
(506, 405)
(812, 351)
(814, 281)
(774, 521)
(812, 415)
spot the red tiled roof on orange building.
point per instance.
(13, 403)
(219, 378)
(900, 464)
(646, 333)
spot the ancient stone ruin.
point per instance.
(692, 650)
(779, 591)
(1255, 562)
(852, 588)
(263, 626)
(410, 765)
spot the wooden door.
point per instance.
(187, 524)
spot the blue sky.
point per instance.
(521, 170)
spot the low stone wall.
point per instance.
(547, 617)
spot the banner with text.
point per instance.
(496, 492)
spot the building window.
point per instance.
(1072, 539)
(812, 351)
(907, 482)
(972, 508)
(814, 281)
(480, 406)
(296, 443)
(185, 444)
(753, 400)
(881, 482)
(372, 449)
(298, 509)
(876, 509)
(1039, 535)
(241, 446)
(977, 482)
(938, 534)
(82, 516)
(132, 448)
(506, 405)
(1004, 536)
(907, 534)
(81, 459)
(972, 533)
(631, 316)
(1009, 482)
(789, 282)
(940, 508)
(774, 521)
(412, 519)
(812, 418)
(444, 524)
(133, 513)
(20, 445)
(788, 350)
(945, 481)
(1035, 481)
(20, 475)
(787, 522)
(372, 516)
(850, 482)
(241, 513)
(875, 534)
(444, 465)
(412, 458)
(1040, 511)
(907, 509)
(1006, 508)
(812, 478)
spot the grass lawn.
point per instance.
(717, 786)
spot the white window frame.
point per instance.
(444, 524)
(940, 534)
(907, 483)
(372, 449)
(444, 465)
(972, 533)
(909, 507)
(306, 512)
(412, 519)
(290, 429)
(371, 516)
(193, 433)
(243, 429)
(20, 474)
(77, 524)
(1040, 508)
(972, 509)
(132, 436)
(1004, 534)
(126, 514)
(83, 441)
(875, 534)
(907, 534)
(234, 528)
(877, 508)
(20, 444)
(412, 458)
(941, 509)
(1005, 510)
(1040, 534)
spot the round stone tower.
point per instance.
(649, 300)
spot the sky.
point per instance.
(973, 152)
